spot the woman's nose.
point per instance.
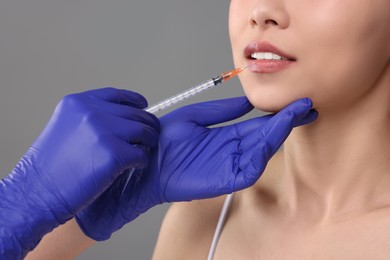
(269, 13)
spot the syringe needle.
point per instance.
(231, 74)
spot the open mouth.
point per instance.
(268, 56)
(266, 51)
(265, 58)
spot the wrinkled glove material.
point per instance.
(89, 141)
(195, 161)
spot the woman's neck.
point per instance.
(340, 164)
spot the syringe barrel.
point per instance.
(183, 95)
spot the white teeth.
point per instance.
(266, 56)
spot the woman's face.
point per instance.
(332, 51)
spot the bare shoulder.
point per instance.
(187, 229)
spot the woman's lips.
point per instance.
(268, 66)
(263, 57)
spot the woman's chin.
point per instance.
(271, 104)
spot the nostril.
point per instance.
(271, 22)
(253, 22)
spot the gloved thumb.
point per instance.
(215, 111)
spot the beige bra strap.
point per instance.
(221, 222)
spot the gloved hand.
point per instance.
(86, 145)
(193, 161)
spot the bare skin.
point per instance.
(65, 242)
(261, 225)
(326, 195)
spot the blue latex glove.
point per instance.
(193, 161)
(86, 145)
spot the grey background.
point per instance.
(49, 48)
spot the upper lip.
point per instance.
(265, 47)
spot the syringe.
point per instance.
(193, 91)
(187, 94)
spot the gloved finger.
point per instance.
(133, 132)
(250, 136)
(142, 134)
(214, 112)
(250, 125)
(248, 172)
(130, 113)
(247, 130)
(253, 160)
(126, 156)
(119, 96)
(251, 141)
(246, 127)
(309, 118)
(278, 127)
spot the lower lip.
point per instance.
(269, 66)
